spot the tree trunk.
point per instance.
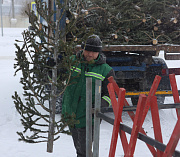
(53, 90)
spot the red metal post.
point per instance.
(136, 126)
(176, 132)
(117, 108)
(124, 141)
(114, 135)
(156, 122)
(170, 148)
(121, 98)
(174, 91)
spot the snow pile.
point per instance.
(10, 119)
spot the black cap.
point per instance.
(93, 43)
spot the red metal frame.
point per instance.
(143, 106)
(131, 113)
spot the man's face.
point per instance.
(90, 55)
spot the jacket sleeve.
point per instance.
(105, 100)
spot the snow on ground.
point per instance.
(10, 119)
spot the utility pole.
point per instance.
(1, 17)
(13, 9)
(13, 20)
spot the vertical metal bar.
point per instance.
(13, 9)
(88, 116)
(1, 17)
(96, 119)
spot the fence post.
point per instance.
(88, 117)
(96, 119)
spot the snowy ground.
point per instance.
(10, 123)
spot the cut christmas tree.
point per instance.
(132, 22)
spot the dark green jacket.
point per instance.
(74, 99)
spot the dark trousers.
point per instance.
(79, 139)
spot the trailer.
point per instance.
(136, 66)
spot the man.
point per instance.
(92, 64)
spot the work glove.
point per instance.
(51, 62)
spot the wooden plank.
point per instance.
(121, 98)
(136, 126)
(142, 48)
(117, 107)
(169, 56)
(175, 91)
(156, 122)
(175, 71)
(173, 140)
(115, 129)
(176, 133)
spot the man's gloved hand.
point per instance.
(51, 62)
